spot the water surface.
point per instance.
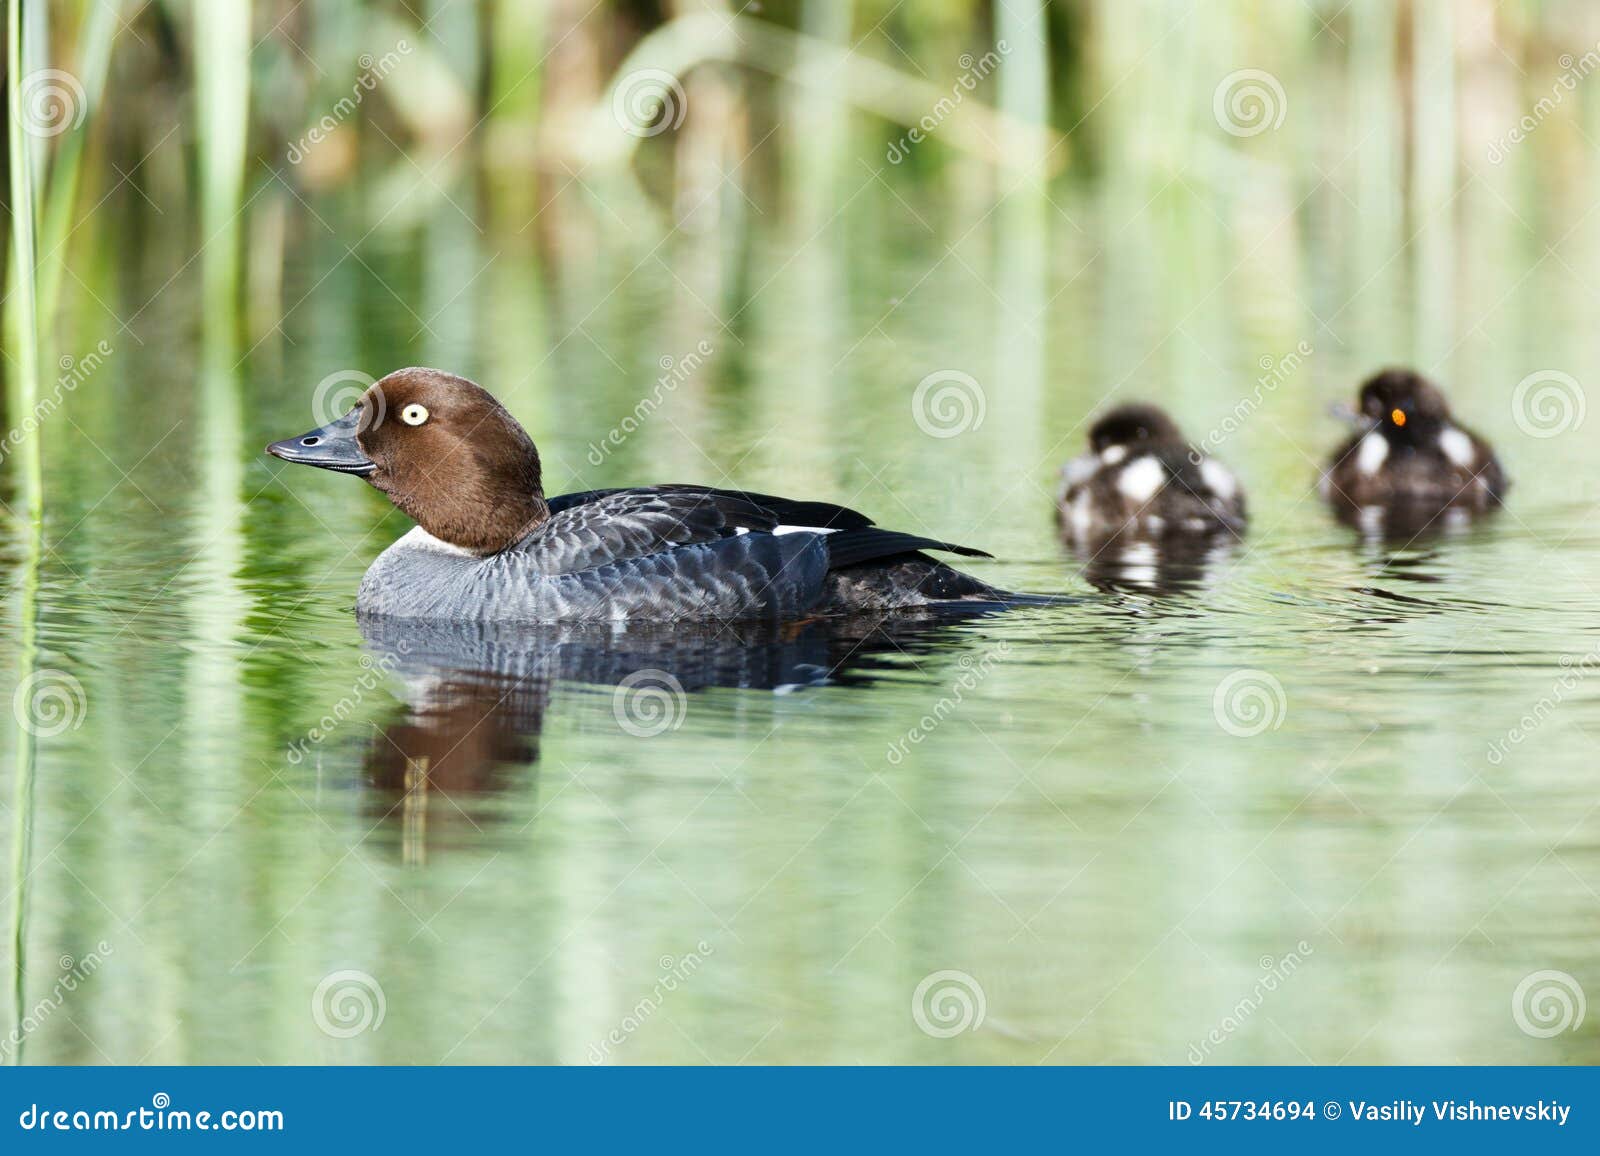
(782, 845)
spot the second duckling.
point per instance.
(1142, 479)
(1410, 452)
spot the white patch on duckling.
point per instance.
(1457, 446)
(1111, 455)
(1373, 452)
(1080, 512)
(1141, 478)
(1219, 478)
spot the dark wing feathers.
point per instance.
(616, 525)
(784, 511)
(870, 544)
(598, 527)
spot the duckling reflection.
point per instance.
(1167, 566)
(1404, 523)
(476, 694)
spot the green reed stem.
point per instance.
(61, 192)
(26, 392)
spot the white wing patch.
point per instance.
(793, 529)
(1219, 478)
(1457, 446)
(1141, 478)
(1373, 453)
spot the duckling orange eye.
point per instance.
(1398, 416)
(417, 414)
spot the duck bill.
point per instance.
(1351, 416)
(330, 447)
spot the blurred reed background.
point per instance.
(233, 201)
(563, 130)
(227, 115)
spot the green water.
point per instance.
(247, 796)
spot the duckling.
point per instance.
(489, 546)
(1411, 455)
(1142, 479)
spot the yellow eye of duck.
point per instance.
(1398, 416)
(417, 414)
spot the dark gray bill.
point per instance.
(332, 447)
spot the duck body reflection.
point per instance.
(476, 695)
